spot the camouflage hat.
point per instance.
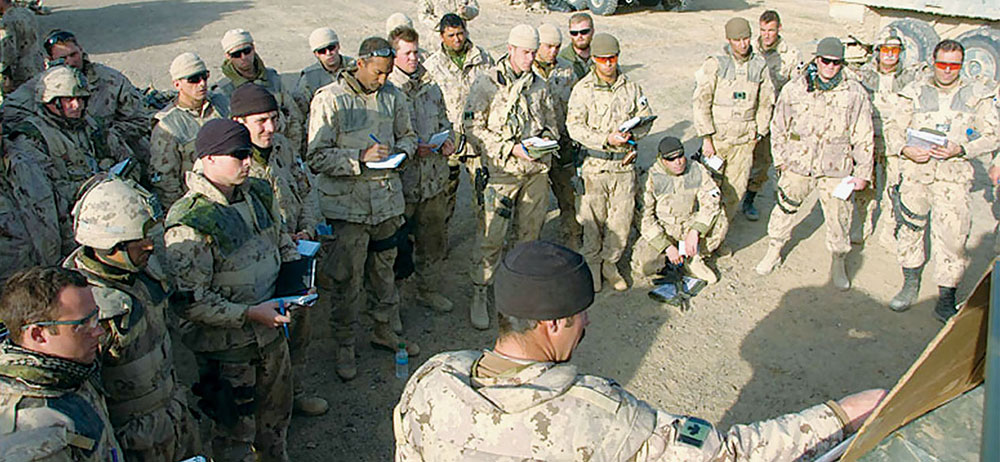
(185, 65)
(523, 36)
(604, 45)
(542, 281)
(322, 38)
(890, 38)
(235, 38)
(114, 211)
(737, 29)
(549, 34)
(60, 81)
(830, 47)
(397, 20)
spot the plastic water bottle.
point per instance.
(402, 362)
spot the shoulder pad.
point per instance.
(28, 129)
(180, 207)
(34, 444)
(980, 90)
(912, 91)
(220, 103)
(112, 302)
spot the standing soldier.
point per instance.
(225, 246)
(936, 180)
(454, 67)
(577, 53)
(732, 109)
(276, 161)
(50, 406)
(325, 46)
(431, 11)
(176, 127)
(507, 105)
(603, 100)
(20, 54)
(114, 222)
(884, 77)
(558, 73)
(821, 138)
(242, 65)
(425, 176)
(681, 216)
(357, 120)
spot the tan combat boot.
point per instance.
(771, 259)
(838, 272)
(697, 268)
(434, 301)
(610, 272)
(384, 338)
(310, 406)
(347, 366)
(479, 314)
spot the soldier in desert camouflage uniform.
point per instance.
(20, 54)
(225, 246)
(935, 186)
(114, 222)
(522, 400)
(603, 100)
(577, 53)
(821, 133)
(431, 11)
(680, 205)
(176, 126)
(325, 46)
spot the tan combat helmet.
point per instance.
(60, 81)
(113, 211)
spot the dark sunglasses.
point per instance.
(242, 51)
(580, 32)
(831, 62)
(197, 78)
(329, 49)
(380, 53)
(241, 154)
(58, 36)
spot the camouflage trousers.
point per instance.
(647, 260)
(735, 173)
(348, 266)
(168, 433)
(792, 190)
(430, 238)
(876, 198)
(761, 164)
(569, 229)
(518, 201)
(605, 212)
(946, 207)
(455, 167)
(262, 435)
(299, 338)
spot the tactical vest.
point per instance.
(75, 154)
(515, 112)
(290, 182)
(423, 177)
(184, 126)
(677, 196)
(734, 103)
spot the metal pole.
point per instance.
(990, 449)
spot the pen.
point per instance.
(374, 139)
(114, 455)
(282, 310)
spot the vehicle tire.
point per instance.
(649, 2)
(918, 37)
(982, 53)
(603, 7)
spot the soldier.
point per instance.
(783, 62)
(276, 161)
(732, 103)
(397, 20)
(113, 99)
(354, 121)
(225, 246)
(558, 73)
(242, 65)
(455, 67)
(50, 408)
(431, 11)
(425, 176)
(20, 54)
(68, 145)
(176, 126)
(581, 33)
(603, 100)
(325, 46)
(680, 208)
(884, 78)
(506, 106)
(522, 400)
(821, 138)
(936, 180)
(114, 222)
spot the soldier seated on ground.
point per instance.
(465, 405)
(682, 217)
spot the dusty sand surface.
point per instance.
(752, 347)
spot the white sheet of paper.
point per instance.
(629, 124)
(924, 140)
(715, 163)
(298, 300)
(438, 139)
(681, 248)
(539, 143)
(844, 190)
(392, 161)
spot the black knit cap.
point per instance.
(251, 98)
(222, 137)
(542, 281)
(670, 148)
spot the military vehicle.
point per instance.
(608, 7)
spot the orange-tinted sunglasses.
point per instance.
(944, 66)
(890, 50)
(605, 59)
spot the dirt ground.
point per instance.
(751, 348)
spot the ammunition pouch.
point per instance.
(506, 208)
(221, 401)
(784, 202)
(454, 171)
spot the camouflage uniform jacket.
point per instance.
(69, 152)
(21, 56)
(29, 223)
(430, 11)
(503, 109)
(292, 118)
(674, 204)
(560, 77)
(137, 366)
(456, 81)
(51, 410)
(597, 109)
(965, 113)
(314, 77)
(423, 177)
(342, 119)
(580, 66)
(823, 133)
(225, 256)
(546, 411)
(298, 200)
(883, 89)
(172, 144)
(734, 98)
(783, 62)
